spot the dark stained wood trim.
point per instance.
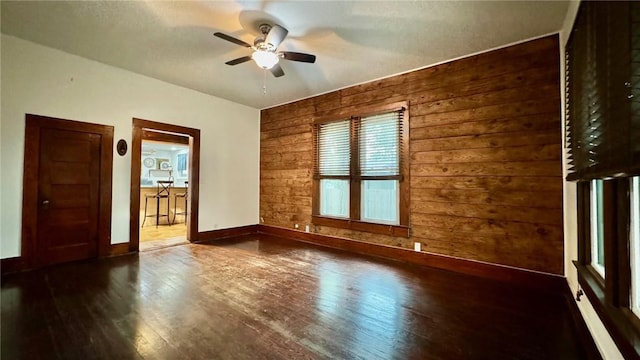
(354, 170)
(363, 111)
(227, 233)
(106, 191)
(383, 229)
(134, 189)
(33, 124)
(614, 318)
(584, 254)
(194, 187)
(405, 170)
(610, 242)
(622, 241)
(11, 265)
(139, 125)
(521, 277)
(164, 137)
(591, 351)
(119, 249)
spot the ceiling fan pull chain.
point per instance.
(264, 82)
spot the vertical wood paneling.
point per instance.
(486, 178)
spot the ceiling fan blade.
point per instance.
(276, 35)
(238, 60)
(231, 39)
(296, 56)
(276, 70)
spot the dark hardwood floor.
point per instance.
(259, 297)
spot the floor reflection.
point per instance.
(258, 297)
(364, 304)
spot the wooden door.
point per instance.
(66, 199)
(68, 196)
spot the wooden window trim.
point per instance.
(357, 225)
(609, 296)
(355, 183)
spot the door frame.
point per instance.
(30, 182)
(139, 125)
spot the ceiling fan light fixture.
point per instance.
(265, 59)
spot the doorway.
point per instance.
(66, 209)
(166, 181)
(164, 185)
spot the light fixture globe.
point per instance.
(265, 59)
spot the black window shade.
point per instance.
(603, 91)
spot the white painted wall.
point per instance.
(603, 340)
(45, 81)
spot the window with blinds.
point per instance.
(359, 167)
(603, 91)
(379, 139)
(334, 149)
(333, 169)
(603, 141)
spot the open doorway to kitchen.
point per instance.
(164, 185)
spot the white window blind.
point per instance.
(379, 140)
(333, 148)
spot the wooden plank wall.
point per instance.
(486, 179)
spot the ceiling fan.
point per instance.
(265, 48)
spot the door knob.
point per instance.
(45, 203)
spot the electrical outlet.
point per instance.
(295, 226)
(306, 228)
(417, 246)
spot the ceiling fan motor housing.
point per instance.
(259, 43)
(265, 48)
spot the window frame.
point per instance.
(601, 142)
(610, 296)
(596, 232)
(634, 246)
(354, 221)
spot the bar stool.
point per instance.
(163, 192)
(184, 195)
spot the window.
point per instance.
(635, 245)
(380, 168)
(182, 164)
(597, 227)
(360, 171)
(334, 152)
(603, 140)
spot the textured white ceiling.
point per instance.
(354, 41)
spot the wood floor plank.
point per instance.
(259, 297)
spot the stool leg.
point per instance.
(157, 211)
(175, 204)
(186, 209)
(168, 211)
(145, 211)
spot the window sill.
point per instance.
(619, 322)
(383, 229)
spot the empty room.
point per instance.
(320, 179)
